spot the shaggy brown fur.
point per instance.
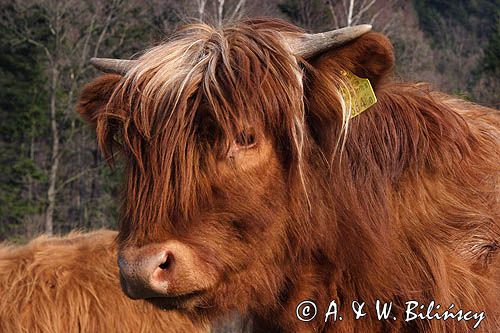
(70, 284)
(397, 204)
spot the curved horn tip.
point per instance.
(365, 27)
(101, 64)
(359, 30)
(96, 61)
(310, 45)
(112, 66)
(353, 31)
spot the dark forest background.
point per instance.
(52, 178)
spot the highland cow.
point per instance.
(70, 284)
(253, 184)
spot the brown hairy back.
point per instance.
(70, 284)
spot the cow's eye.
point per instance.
(245, 139)
(243, 142)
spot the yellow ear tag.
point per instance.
(360, 93)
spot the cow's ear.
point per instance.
(95, 96)
(370, 56)
(93, 107)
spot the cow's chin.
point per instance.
(188, 301)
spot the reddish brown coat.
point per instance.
(70, 284)
(400, 205)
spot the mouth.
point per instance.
(183, 301)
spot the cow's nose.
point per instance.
(146, 275)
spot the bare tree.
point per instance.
(352, 12)
(77, 31)
(56, 11)
(201, 4)
(221, 10)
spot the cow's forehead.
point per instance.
(233, 71)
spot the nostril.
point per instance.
(149, 273)
(168, 262)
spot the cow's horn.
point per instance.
(114, 66)
(309, 45)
